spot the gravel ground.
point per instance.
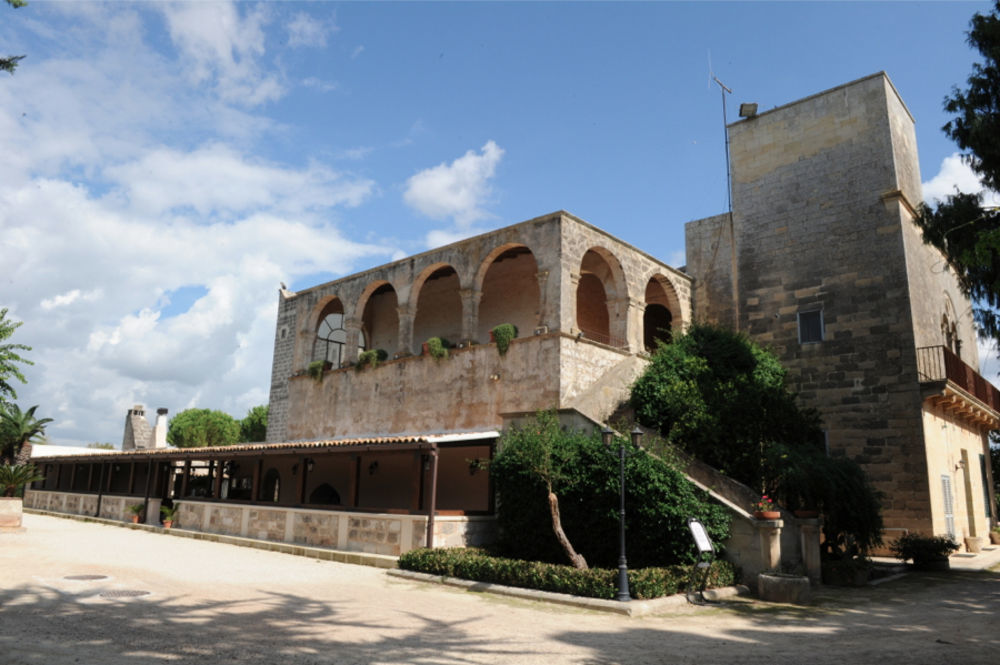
(214, 603)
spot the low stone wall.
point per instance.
(371, 533)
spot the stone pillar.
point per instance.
(635, 334)
(352, 328)
(769, 537)
(809, 530)
(567, 310)
(545, 317)
(470, 314)
(405, 335)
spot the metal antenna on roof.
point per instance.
(725, 118)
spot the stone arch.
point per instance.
(329, 329)
(379, 316)
(507, 282)
(662, 316)
(437, 304)
(602, 298)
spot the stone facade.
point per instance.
(577, 295)
(824, 196)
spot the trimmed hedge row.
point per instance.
(476, 564)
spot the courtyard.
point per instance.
(143, 597)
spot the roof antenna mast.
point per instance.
(725, 130)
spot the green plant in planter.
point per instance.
(438, 347)
(13, 477)
(316, 369)
(170, 512)
(924, 550)
(136, 508)
(370, 357)
(502, 335)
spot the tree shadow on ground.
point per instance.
(920, 618)
(43, 624)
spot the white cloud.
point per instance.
(221, 45)
(215, 179)
(955, 173)
(303, 30)
(458, 190)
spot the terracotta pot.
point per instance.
(974, 545)
(493, 338)
(995, 537)
(135, 519)
(426, 349)
(767, 514)
(167, 524)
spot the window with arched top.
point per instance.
(331, 335)
(658, 320)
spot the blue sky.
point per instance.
(169, 163)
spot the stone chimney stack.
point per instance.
(138, 434)
(160, 429)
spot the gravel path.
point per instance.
(214, 603)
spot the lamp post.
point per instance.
(607, 435)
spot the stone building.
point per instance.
(821, 261)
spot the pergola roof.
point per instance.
(350, 444)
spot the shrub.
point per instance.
(922, 548)
(658, 501)
(438, 347)
(502, 335)
(478, 565)
(370, 357)
(315, 370)
(14, 477)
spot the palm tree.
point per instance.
(13, 478)
(18, 428)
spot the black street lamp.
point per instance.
(607, 434)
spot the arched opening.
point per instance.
(600, 286)
(331, 335)
(509, 292)
(380, 322)
(658, 319)
(439, 307)
(325, 494)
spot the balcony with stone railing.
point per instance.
(957, 386)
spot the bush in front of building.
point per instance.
(477, 565)
(584, 475)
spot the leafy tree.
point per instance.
(253, 427)
(966, 232)
(584, 476)
(722, 398)
(719, 396)
(197, 428)
(9, 63)
(18, 428)
(8, 357)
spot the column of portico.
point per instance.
(405, 334)
(635, 334)
(570, 281)
(352, 327)
(548, 301)
(470, 313)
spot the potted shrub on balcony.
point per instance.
(13, 479)
(765, 509)
(437, 347)
(927, 552)
(502, 335)
(316, 369)
(370, 357)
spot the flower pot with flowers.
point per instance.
(765, 509)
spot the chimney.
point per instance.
(160, 429)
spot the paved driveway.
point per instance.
(213, 603)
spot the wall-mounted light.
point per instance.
(310, 464)
(372, 468)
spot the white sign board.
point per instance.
(701, 538)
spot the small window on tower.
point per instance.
(810, 327)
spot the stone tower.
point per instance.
(821, 261)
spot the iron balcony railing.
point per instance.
(939, 363)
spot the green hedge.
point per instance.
(475, 564)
